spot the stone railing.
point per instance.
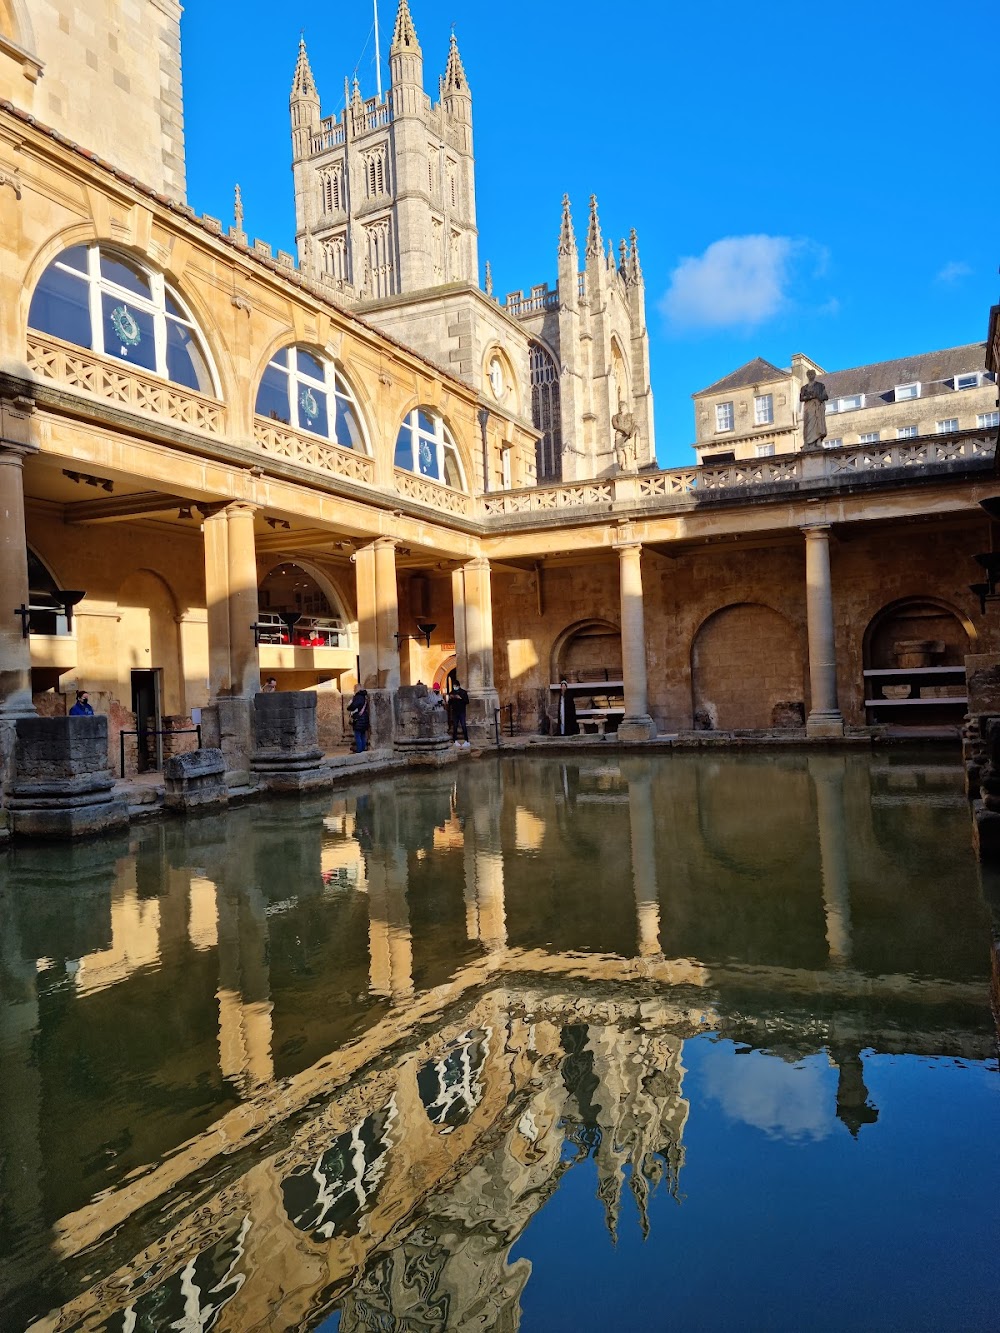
(331, 135)
(430, 493)
(74, 368)
(540, 298)
(684, 487)
(280, 441)
(374, 116)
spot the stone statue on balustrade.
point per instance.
(813, 397)
(626, 438)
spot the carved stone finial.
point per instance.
(238, 208)
(489, 279)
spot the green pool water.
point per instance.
(689, 1041)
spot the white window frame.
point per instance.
(332, 384)
(907, 432)
(947, 427)
(440, 440)
(988, 420)
(835, 443)
(764, 450)
(905, 392)
(763, 409)
(970, 379)
(155, 306)
(724, 412)
(851, 402)
(869, 437)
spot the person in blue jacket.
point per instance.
(82, 706)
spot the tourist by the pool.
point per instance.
(568, 725)
(458, 700)
(360, 713)
(82, 707)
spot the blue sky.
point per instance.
(801, 180)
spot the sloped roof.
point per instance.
(757, 371)
(933, 371)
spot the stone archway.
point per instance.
(914, 620)
(148, 638)
(590, 650)
(747, 670)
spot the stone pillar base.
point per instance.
(825, 726)
(637, 728)
(226, 725)
(480, 716)
(195, 780)
(421, 726)
(62, 786)
(286, 757)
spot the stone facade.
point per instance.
(755, 411)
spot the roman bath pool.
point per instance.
(698, 1041)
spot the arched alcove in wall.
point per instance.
(918, 620)
(587, 650)
(747, 670)
(149, 659)
(914, 652)
(296, 590)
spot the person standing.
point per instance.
(271, 685)
(568, 725)
(82, 707)
(359, 710)
(459, 701)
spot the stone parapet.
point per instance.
(62, 786)
(421, 726)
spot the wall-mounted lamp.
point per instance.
(426, 629)
(66, 599)
(982, 591)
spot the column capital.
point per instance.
(814, 530)
(627, 547)
(477, 562)
(224, 508)
(381, 543)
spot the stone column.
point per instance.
(824, 718)
(827, 773)
(364, 577)
(245, 665)
(216, 533)
(386, 613)
(479, 625)
(15, 649)
(636, 725)
(458, 605)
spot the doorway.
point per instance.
(146, 691)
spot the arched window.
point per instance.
(546, 413)
(43, 593)
(309, 394)
(425, 446)
(113, 305)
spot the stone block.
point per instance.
(195, 780)
(985, 832)
(286, 755)
(421, 726)
(62, 787)
(982, 672)
(227, 725)
(632, 729)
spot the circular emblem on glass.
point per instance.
(496, 378)
(425, 454)
(309, 405)
(125, 327)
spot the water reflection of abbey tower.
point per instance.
(562, 1034)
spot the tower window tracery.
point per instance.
(333, 189)
(546, 412)
(376, 172)
(110, 303)
(378, 259)
(309, 393)
(335, 257)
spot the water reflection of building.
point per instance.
(382, 1138)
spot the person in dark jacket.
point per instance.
(567, 723)
(360, 714)
(82, 707)
(458, 700)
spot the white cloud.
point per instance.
(739, 281)
(953, 270)
(785, 1101)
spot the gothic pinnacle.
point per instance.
(634, 269)
(303, 83)
(595, 245)
(623, 255)
(454, 75)
(567, 240)
(404, 34)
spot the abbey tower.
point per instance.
(385, 214)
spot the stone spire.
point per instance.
(567, 239)
(454, 75)
(634, 269)
(611, 257)
(595, 245)
(404, 34)
(623, 257)
(303, 104)
(488, 286)
(303, 83)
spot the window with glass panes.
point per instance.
(308, 393)
(948, 426)
(723, 416)
(763, 409)
(424, 445)
(906, 432)
(986, 420)
(108, 302)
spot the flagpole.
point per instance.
(378, 54)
